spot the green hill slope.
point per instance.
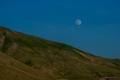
(11, 69)
(56, 60)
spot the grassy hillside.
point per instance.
(56, 60)
(11, 69)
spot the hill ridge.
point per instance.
(56, 60)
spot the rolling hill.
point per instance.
(26, 57)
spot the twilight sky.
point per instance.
(99, 32)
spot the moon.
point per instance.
(78, 22)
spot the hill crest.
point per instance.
(56, 60)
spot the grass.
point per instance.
(14, 70)
(50, 60)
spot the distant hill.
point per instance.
(26, 57)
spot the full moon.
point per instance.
(78, 22)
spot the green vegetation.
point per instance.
(26, 57)
(11, 69)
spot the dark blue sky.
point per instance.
(54, 20)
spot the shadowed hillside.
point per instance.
(35, 58)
